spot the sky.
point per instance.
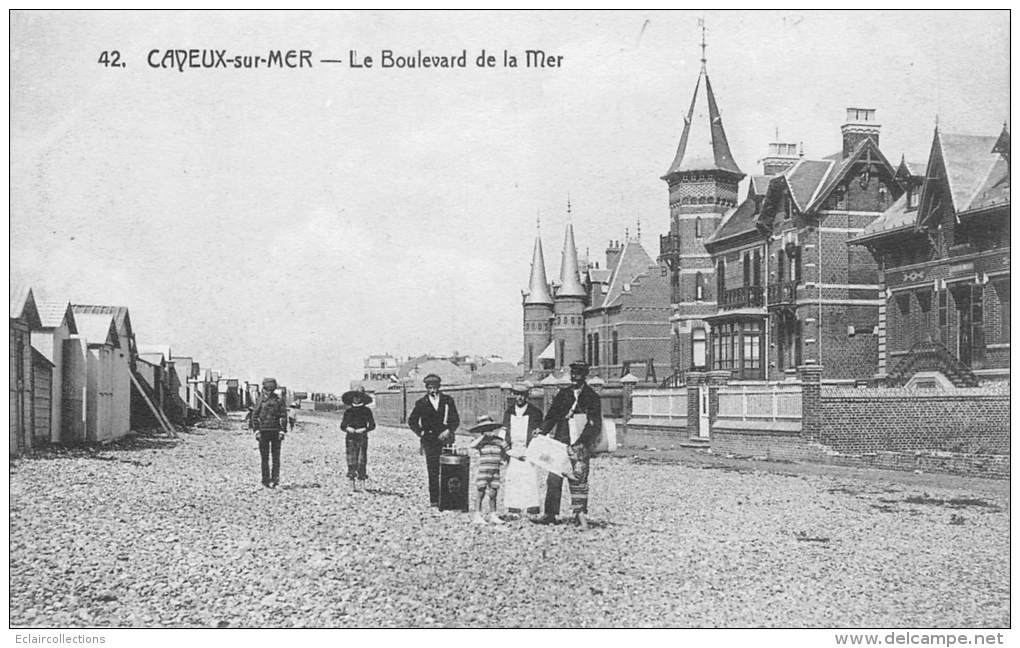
(291, 222)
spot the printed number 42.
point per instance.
(111, 59)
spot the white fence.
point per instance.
(776, 402)
(668, 404)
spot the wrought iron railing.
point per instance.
(743, 297)
(783, 293)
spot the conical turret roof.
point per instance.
(703, 145)
(538, 285)
(570, 279)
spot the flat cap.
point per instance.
(433, 378)
(580, 367)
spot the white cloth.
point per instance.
(576, 425)
(521, 486)
(521, 489)
(549, 455)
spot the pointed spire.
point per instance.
(570, 279)
(703, 145)
(538, 285)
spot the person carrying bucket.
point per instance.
(434, 420)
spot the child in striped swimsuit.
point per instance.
(492, 452)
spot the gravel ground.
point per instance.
(157, 533)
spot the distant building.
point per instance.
(381, 367)
(24, 317)
(57, 325)
(789, 289)
(616, 318)
(944, 247)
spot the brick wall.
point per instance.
(971, 421)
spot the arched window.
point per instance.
(780, 267)
(756, 268)
(697, 227)
(615, 347)
(699, 287)
(720, 279)
(747, 268)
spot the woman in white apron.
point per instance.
(520, 420)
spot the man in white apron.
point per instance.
(521, 420)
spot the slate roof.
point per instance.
(995, 190)
(538, 285)
(968, 160)
(739, 220)
(804, 179)
(52, 312)
(151, 349)
(896, 217)
(703, 145)
(119, 313)
(634, 262)
(570, 276)
(977, 176)
(155, 359)
(97, 328)
(23, 305)
(497, 369)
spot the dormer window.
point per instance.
(883, 198)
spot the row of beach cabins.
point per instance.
(77, 376)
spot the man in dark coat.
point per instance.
(574, 399)
(269, 420)
(434, 421)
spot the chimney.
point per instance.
(613, 255)
(782, 156)
(860, 124)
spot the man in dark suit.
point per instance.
(434, 421)
(269, 420)
(577, 398)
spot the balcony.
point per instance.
(669, 244)
(783, 293)
(743, 297)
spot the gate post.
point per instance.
(695, 380)
(811, 401)
(627, 383)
